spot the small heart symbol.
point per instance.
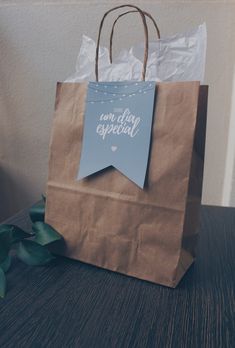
(113, 148)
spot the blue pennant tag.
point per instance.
(117, 128)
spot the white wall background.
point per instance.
(39, 42)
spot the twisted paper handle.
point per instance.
(114, 24)
(145, 34)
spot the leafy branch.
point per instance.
(30, 248)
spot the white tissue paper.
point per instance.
(177, 58)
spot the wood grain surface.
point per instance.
(71, 304)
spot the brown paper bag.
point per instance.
(108, 221)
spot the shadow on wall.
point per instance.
(12, 194)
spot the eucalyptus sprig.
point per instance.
(31, 248)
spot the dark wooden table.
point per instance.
(71, 304)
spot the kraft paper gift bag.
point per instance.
(112, 218)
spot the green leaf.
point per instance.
(37, 212)
(33, 254)
(4, 228)
(18, 234)
(44, 198)
(44, 233)
(5, 265)
(15, 233)
(5, 243)
(2, 283)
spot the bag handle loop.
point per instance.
(114, 24)
(145, 34)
